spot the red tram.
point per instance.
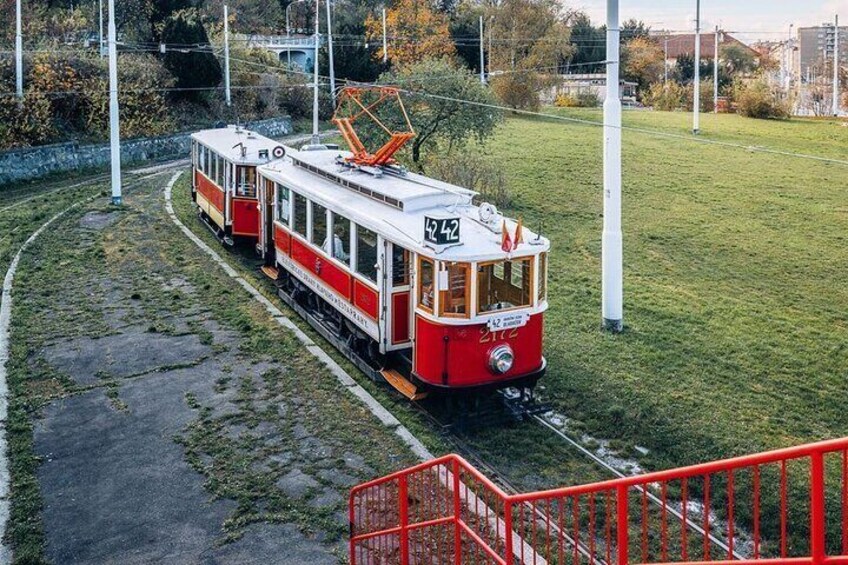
(405, 274)
(224, 178)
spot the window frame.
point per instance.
(294, 208)
(542, 278)
(419, 281)
(278, 204)
(443, 293)
(311, 238)
(507, 280)
(331, 230)
(355, 262)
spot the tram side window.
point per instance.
(366, 253)
(400, 266)
(454, 301)
(283, 203)
(426, 278)
(319, 225)
(502, 285)
(299, 223)
(341, 239)
(219, 170)
(206, 161)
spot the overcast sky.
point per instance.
(759, 19)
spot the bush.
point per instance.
(757, 99)
(667, 97)
(470, 169)
(587, 99)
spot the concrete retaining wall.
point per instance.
(35, 162)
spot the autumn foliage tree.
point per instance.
(644, 61)
(534, 38)
(415, 31)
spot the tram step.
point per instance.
(403, 386)
(271, 272)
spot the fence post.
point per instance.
(404, 520)
(510, 557)
(622, 525)
(457, 510)
(817, 519)
(352, 531)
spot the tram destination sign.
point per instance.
(441, 231)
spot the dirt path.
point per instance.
(158, 414)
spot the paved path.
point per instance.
(179, 422)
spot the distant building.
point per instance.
(816, 46)
(588, 83)
(680, 44)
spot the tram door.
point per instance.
(398, 296)
(265, 245)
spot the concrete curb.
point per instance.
(377, 409)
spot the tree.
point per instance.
(354, 60)
(415, 31)
(633, 29)
(737, 58)
(643, 61)
(588, 47)
(534, 40)
(449, 107)
(192, 69)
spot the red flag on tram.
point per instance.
(506, 242)
(519, 234)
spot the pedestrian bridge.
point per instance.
(295, 50)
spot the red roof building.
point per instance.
(684, 44)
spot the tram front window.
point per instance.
(503, 285)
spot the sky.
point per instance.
(754, 19)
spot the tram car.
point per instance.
(405, 274)
(224, 162)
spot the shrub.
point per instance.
(471, 169)
(757, 99)
(667, 97)
(587, 99)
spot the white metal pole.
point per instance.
(19, 52)
(100, 10)
(385, 46)
(315, 138)
(114, 127)
(330, 53)
(715, 73)
(227, 94)
(612, 285)
(482, 57)
(836, 67)
(696, 111)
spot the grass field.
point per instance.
(735, 280)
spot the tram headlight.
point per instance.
(501, 359)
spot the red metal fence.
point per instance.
(787, 506)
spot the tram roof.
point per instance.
(228, 141)
(396, 205)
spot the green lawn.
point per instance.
(736, 300)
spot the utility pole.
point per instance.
(696, 111)
(316, 139)
(836, 67)
(482, 58)
(100, 10)
(19, 53)
(114, 127)
(227, 95)
(612, 287)
(715, 73)
(385, 46)
(330, 53)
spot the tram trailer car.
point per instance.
(224, 162)
(404, 273)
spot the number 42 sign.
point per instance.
(441, 231)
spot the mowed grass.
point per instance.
(736, 281)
